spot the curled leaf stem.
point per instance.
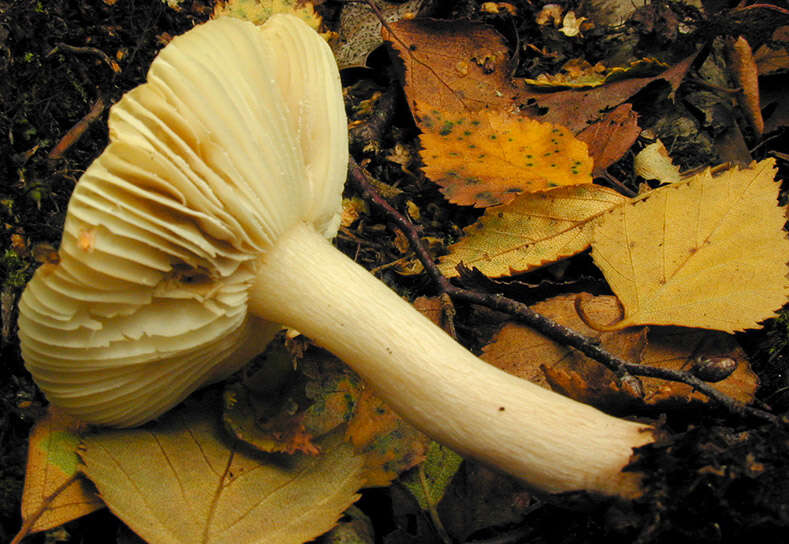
(625, 371)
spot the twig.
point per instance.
(590, 347)
(75, 133)
(89, 51)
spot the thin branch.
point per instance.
(625, 371)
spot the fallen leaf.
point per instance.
(535, 229)
(258, 11)
(610, 137)
(453, 66)
(486, 158)
(54, 492)
(389, 444)
(746, 75)
(707, 252)
(526, 353)
(654, 162)
(429, 481)
(182, 480)
(771, 60)
(295, 409)
(578, 73)
(360, 28)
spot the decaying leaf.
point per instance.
(535, 229)
(706, 252)
(610, 137)
(522, 351)
(428, 482)
(360, 28)
(183, 480)
(486, 158)
(258, 11)
(579, 73)
(292, 410)
(389, 444)
(54, 492)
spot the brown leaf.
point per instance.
(454, 66)
(535, 229)
(360, 28)
(486, 158)
(54, 493)
(746, 75)
(182, 480)
(707, 252)
(522, 351)
(610, 137)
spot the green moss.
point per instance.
(15, 269)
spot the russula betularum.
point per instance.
(205, 224)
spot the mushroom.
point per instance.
(205, 224)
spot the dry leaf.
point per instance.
(486, 158)
(360, 28)
(454, 66)
(772, 61)
(521, 351)
(746, 76)
(610, 137)
(654, 162)
(535, 229)
(182, 481)
(707, 252)
(54, 493)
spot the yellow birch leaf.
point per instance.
(534, 229)
(183, 481)
(54, 492)
(486, 158)
(708, 252)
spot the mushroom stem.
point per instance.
(551, 442)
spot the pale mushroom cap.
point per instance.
(238, 134)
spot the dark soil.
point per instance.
(715, 478)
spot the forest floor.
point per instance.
(63, 63)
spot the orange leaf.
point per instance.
(54, 493)
(486, 158)
(454, 66)
(610, 137)
(746, 74)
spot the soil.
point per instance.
(716, 477)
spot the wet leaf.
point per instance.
(487, 158)
(54, 492)
(707, 252)
(184, 480)
(533, 230)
